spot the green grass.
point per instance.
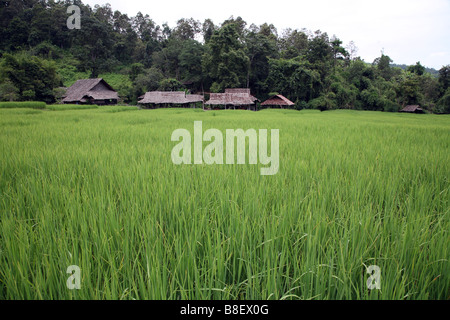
(116, 80)
(98, 189)
(26, 104)
(64, 107)
(113, 79)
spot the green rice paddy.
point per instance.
(97, 189)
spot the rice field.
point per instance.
(97, 189)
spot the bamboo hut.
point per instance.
(163, 99)
(412, 109)
(233, 98)
(91, 91)
(278, 101)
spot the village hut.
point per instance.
(91, 91)
(156, 99)
(278, 101)
(412, 109)
(233, 98)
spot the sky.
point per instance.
(408, 31)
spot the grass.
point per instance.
(63, 107)
(27, 104)
(97, 189)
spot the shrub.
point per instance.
(443, 105)
(390, 106)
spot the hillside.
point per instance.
(41, 54)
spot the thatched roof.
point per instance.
(278, 100)
(175, 97)
(235, 97)
(96, 89)
(412, 109)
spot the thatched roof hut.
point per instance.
(412, 109)
(234, 98)
(163, 98)
(91, 91)
(278, 101)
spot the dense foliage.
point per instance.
(39, 54)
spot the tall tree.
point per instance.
(293, 43)
(260, 44)
(417, 69)
(383, 65)
(444, 79)
(226, 62)
(187, 29)
(191, 64)
(208, 29)
(94, 45)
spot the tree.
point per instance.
(94, 45)
(149, 80)
(145, 27)
(339, 52)
(383, 65)
(170, 85)
(104, 13)
(443, 105)
(352, 49)
(260, 45)
(409, 90)
(167, 59)
(444, 79)
(417, 69)
(187, 29)
(208, 29)
(190, 59)
(239, 25)
(293, 43)
(8, 91)
(225, 60)
(17, 33)
(429, 88)
(33, 77)
(324, 102)
(136, 70)
(294, 79)
(320, 54)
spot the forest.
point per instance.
(40, 56)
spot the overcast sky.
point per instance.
(407, 30)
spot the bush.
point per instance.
(27, 104)
(390, 106)
(324, 102)
(443, 105)
(170, 85)
(300, 105)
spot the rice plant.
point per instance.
(97, 189)
(26, 104)
(63, 107)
